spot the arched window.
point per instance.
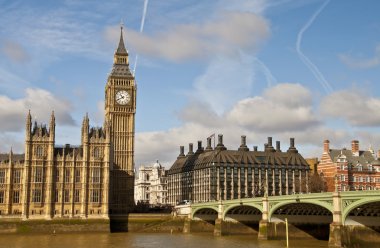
(39, 151)
(96, 152)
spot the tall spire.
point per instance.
(121, 48)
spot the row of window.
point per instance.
(95, 196)
(360, 179)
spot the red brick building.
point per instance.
(346, 169)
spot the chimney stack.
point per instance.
(326, 146)
(278, 146)
(255, 148)
(181, 152)
(220, 145)
(243, 144)
(208, 147)
(355, 147)
(292, 148)
(200, 148)
(269, 141)
(191, 152)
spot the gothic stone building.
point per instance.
(214, 174)
(349, 169)
(92, 180)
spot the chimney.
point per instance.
(355, 147)
(326, 146)
(269, 141)
(181, 152)
(200, 148)
(220, 145)
(190, 149)
(378, 154)
(243, 144)
(292, 148)
(278, 146)
(255, 148)
(208, 147)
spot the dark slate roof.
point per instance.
(69, 150)
(205, 159)
(121, 70)
(15, 157)
(364, 158)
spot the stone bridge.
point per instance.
(348, 217)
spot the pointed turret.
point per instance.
(121, 48)
(85, 128)
(28, 126)
(52, 126)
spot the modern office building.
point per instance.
(213, 174)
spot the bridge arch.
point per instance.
(237, 206)
(205, 211)
(363, 208)
(323, 205)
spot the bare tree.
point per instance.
(317, 183)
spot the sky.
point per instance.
(260, 68)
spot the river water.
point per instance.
(143, 240)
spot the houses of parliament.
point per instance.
(92, 180)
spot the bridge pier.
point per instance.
(264, 222)
(336, 228)
(218, 229)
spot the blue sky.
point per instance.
(286, 68)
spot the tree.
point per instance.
(317, 183)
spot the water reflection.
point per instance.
(142, 240)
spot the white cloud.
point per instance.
(40, 102)
(285, 107)
(226, 34)
(354, 106)
(361, 63)
(284, 111)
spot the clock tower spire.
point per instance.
(120, 109)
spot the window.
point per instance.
(1, 196)
(96, 152)
(77, 195)
(96, 175)
(57, 174)
(77, 175)
(36, 197)
(361, 179)
(342, 178)
(56, 195)
(39, 151)
(368, 179)
(38, 174)
(67, 195)
(95, 195)
(67, 175)
(2, 176)
(16, 176)
(16, 196)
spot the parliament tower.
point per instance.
(92, 180)
(120, 109)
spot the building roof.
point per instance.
(364, 158)
(211, 158)
(4, 158)
(121, 70)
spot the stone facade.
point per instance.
(345, 170)
(50, 181)
(214, 174)
(151, 185)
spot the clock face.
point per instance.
(122, 97)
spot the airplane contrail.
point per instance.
(268, 74)
(312, 67)
(141, 30)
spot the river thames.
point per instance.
(143, 240)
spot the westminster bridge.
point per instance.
(344, 218)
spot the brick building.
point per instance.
(346, 170)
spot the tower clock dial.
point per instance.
(122, 97)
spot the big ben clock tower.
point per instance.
(120, 109)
